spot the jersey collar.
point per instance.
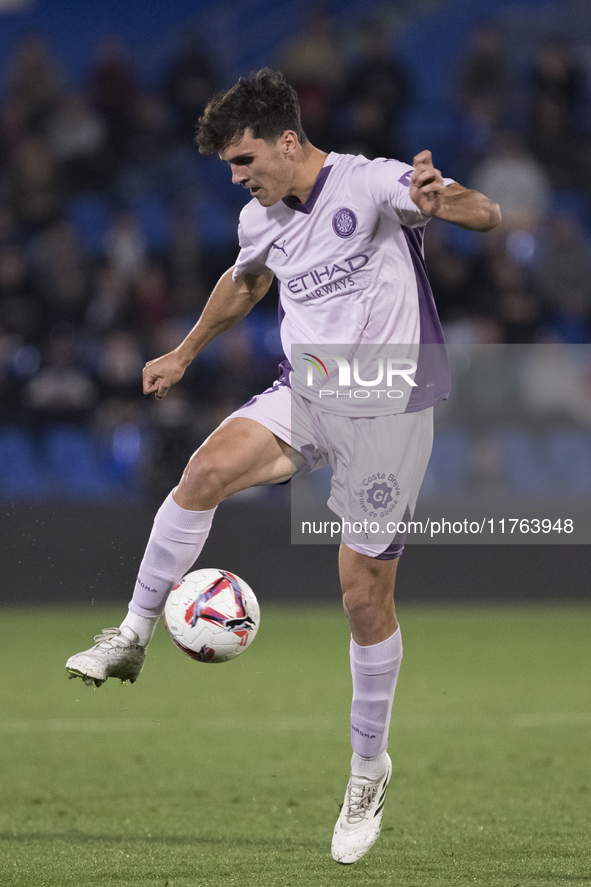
(295, 203)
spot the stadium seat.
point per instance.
(448, 469)
(90, 215)
(569, 456)
(521, 461)
(77, 471)
(153, 218)
(21, 475)
(215, 223)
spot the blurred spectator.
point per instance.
(313, 63)
(563, 261)
(485, 386)
(109, 306)
(13, 128)
(175, 434)
(555, 383)
(9, 383)
(461, 283)
(114, 89)
(378, 88)
(483, 75)
(515, 180)
(148, 150)
(33, 79)
(481, 91)
(368, 130)
(315, 56)
(9, 230)
(189, 83)
(126, 247)
(35, 189)
(478, 131)
(152, 298)
(562, 272)
(120, 365)
(553, 142)
(557, 76)
(520, 316)
(62, 391)
(185, 265)
(317, 114)
(20, 311)
(60, 271)
(77, 135)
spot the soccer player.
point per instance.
(312, 217)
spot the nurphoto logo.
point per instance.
(387, 371)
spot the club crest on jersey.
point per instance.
(344, 222)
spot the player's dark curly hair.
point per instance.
(264, 103)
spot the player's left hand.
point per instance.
(426, 185)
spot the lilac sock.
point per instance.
(375, 672)
(174, 545)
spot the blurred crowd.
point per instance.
(113, 228)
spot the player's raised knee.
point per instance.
(204, 481)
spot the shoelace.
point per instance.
(360, 797)
(111, 638)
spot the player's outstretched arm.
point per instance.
(454, 203)
(230, 301)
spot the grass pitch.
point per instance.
(208, 775)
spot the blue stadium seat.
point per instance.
(21, 474)
(521, 461)
(90, 214)
(153, 218)
(216, 223)
(569, 455)
(77, 470)
(448, 469)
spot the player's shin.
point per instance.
(176, 541)
(375, 671)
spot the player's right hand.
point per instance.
(161, 374)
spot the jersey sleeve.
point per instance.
(388, 182)
(251, 259)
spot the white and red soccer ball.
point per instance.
(212, 615)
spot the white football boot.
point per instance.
(115, 655)
(358, 827)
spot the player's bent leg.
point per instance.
(376, 654)
(239, 454)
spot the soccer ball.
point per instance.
(212, 615)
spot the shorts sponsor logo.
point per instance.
(378, 494)
(344, 222)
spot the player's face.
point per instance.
(260, 167)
